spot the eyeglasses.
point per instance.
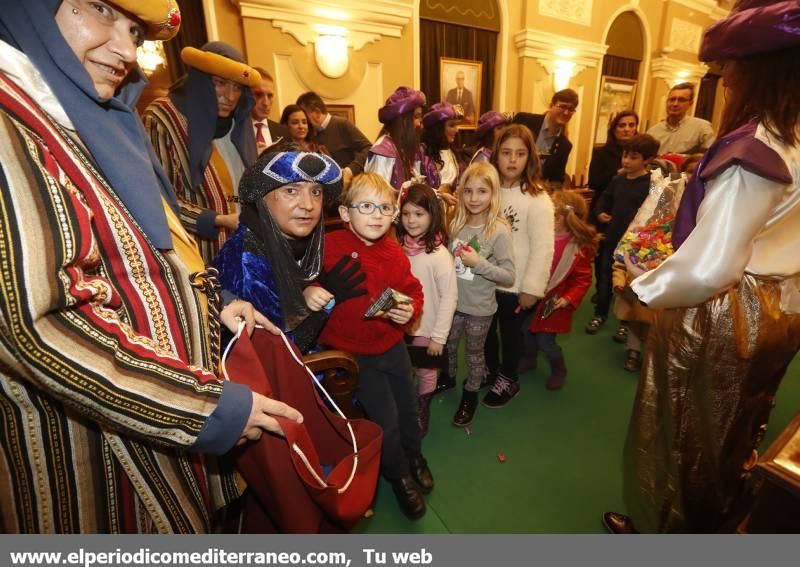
(566, 107)
(678, 99)
(367, 208)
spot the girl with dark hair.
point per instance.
(439, 160)
(394, 155)
(423, 235)
(529, 211)
(727, 323)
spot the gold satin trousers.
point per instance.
(706, 390)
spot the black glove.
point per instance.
(342, 280)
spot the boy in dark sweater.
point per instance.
(618, 205)
(385, 387)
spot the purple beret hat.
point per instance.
(757, 27)
(488, 121)
(439, 112)
(403, 100)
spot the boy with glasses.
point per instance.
(549, 130)
(679, 133)
(385, 387)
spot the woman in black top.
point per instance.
(607, 159)
(606, 163)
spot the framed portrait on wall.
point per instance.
(346, 111)
(460, 83)
(616, 95)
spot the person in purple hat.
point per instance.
(728, 300)
(439, 162)
(489, 124)
(394, 155)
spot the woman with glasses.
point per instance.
(277, 251)
(111, 406)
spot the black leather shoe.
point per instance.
(618, 523)
(409, 496)
(444, 383)
(466, 409)
(421, 473)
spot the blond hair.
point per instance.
(572, 206)
(486, 174)
(368, 182)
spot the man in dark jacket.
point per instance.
(345, 143)
(548, 130)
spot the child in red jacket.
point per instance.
(385, 388)
(570, 276)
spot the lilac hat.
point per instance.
(439, 112)
(403, 100)
(489, 120)
(757, 27)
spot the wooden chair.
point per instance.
(340, 377)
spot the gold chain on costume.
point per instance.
(208, 282)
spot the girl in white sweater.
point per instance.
(423, 235)
(529, 211)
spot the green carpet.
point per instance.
(563, 450)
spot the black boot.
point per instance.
(424, 412)
(444, 383)
(466, 409)
(421, 473)
(409, 496)
(558, 372)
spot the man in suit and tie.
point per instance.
(267, 131)
(548, 130)
(462, 96)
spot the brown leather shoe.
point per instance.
(618, 523)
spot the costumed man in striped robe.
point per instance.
(110, 405)
(203, 136)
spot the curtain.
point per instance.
(438, 39)
(621, 67)
(191, 34)
(706, 96)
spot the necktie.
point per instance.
(459, 96)
(260, 141)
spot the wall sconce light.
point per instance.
(330, 52)
(150, 56)
(680, 77)
(562, 73)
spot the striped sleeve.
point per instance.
(64, 325)
(163, 135)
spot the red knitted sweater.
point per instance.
(385, 265)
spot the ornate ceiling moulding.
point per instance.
(360, 22)
(674, 71)
(711, 8)
(550, 49)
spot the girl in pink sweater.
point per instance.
(423, 235)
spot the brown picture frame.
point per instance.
(616, 94)
(346, 111)
(449, 69)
